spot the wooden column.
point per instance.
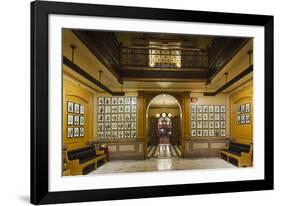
(185, 120)
(141, 124)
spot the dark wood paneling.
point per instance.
(231, 82)
(89, 77)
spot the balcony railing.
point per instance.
(164, 58)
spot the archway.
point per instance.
(163, 124)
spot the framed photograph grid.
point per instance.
(117, 117)
(244, 113)
(208, 120)
(75, 120)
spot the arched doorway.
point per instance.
(163, 124)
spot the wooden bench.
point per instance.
(238, 154)
(84, 160)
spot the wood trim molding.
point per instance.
(89, 77)
(231, 82)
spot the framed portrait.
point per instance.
(199, 125)
(211, 132)
(69, 132)
(211, 108)
(120, 125)
(49, 20)
(100, 135)
(114, 126)
(217, 124)
(70, 106)
(107, 126)
(100, 127)
(199, 133)
(134, 100)
(248, 119)
(193, 116)
(193, 124)
(120, 117)
(217, 132)
(193, 133)
(133, 134)
(223, 124)
(205, 108)
(121, 100)
(223, 132)
(114, 134)
(70, 119)
(134, 109)
(223, 108)
(82, 109)
(217, 108)
(133, 125)
(133, 117)
(199, 116)
(101, 109)
(82, 131)
(76, 120)
(127, 117)
(205, 117)
(127, 125)
(242, 108)
(100, 118)
(114, 101)
(238, 119)
(248, 108)
(127, 100)
(107, 135)
(222, 117)
(76, 108)
(101, 100)
(243, 119)
(211, 116)
(82, 121)
(199, 108)
(76, 132)
(107, 100)
(217, 116)
(127, 134)
(120, 134)
(114, 117)
(127, 109)
(205, 125)
(114, 109)
(205, 133)
(107, 117)
(120, 109)
(211, 124)
(193, 108)
(107, 109)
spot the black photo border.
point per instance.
(39, 102)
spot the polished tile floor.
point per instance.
(161, 164)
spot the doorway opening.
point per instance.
(163, 128)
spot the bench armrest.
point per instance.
(100, 152)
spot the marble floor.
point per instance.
(161, 164)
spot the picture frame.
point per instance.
(69, 132)
(101, 100)
(82, 109)
(70, 107)
(69, 119)
(40, 84)
(76, 108)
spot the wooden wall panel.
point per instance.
(242, 133)
(74, 92)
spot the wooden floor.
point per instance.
(152, 151)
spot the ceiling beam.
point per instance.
(89, 77)
(231, 82)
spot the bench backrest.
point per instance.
(81, 153)
(239, 147)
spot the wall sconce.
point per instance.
(170, 115)
(157, 115)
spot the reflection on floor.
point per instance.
(153, 150)
(159, 164)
